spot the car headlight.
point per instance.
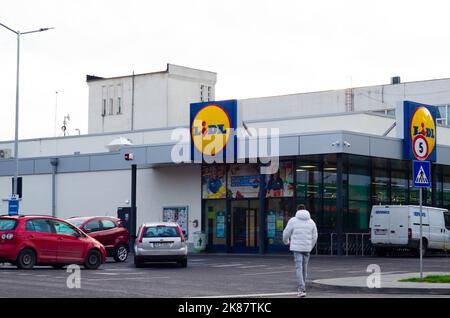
(9, 236)
(3, 236)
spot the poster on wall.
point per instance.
(243, 181)
(220, 224)
(213, 182)
(281, 183)
(178, 215)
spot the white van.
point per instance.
(398, 226)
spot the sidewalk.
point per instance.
(389, 284)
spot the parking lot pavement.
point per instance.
(206, 276)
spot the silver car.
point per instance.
(160, 242)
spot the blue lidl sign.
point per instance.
(13, 207)
(421, 174)
(213, 126)
(419, 133)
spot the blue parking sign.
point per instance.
(13, 207)
(421, 174)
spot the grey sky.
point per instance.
(258, 48)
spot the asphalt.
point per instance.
(209, 275)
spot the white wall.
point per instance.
(91, 193)
(169, 186)
(158, 101)
(101, 193)
(36, 194)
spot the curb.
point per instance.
(382, 290)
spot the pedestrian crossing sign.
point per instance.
(422, 174)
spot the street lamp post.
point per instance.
(16, 135)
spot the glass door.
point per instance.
(244, 226)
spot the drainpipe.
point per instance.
(262, 213)
(133, 214)
(54, 163)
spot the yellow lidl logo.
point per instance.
(422, 133)
(211, 129)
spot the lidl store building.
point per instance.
(340, 153)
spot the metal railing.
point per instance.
(353, 244)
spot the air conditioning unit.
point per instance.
(5, 153)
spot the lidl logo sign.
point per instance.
(212, 127)
(420, 131)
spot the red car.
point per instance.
(44, 240)
(107, 230)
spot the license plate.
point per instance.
(380, 231)
(162, 244)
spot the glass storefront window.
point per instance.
(278, 213)
(446, 187)
(309, 186)
(330, 191)
(281, 183)
(215, 216)
(358, 212)
(380, 181)
(399, 182)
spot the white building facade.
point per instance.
(88, 179)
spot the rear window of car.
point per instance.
(161, 231)
(76, 222)
(7, 224)
(38, 225)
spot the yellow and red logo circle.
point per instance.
(423, 133)
(211, 129)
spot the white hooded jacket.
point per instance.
(300, 232)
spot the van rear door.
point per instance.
(379, 224)
(398, 230)
(437, 229)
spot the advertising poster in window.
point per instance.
(243, 181)
(213, 182)
(281, 183)
(220, 224)
(178, 215)
(271, 225)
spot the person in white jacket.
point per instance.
(301, 234)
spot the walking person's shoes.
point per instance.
(301, 294)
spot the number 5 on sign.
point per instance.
(420, 147)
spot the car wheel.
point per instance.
(26, 259)
(183, 263)
(58, 266)
(121, 253)
(93, 260)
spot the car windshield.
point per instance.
(161, 231)
(76, 222)
(447, 220)
(7, 224)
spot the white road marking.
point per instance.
(125, 278)
(110, 274)
(228, 265)
(250, 295)
(252, 266)
(267, 273)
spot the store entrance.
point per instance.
(244, 226)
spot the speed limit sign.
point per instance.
(420, 147)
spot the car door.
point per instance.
(72, 244)
(109, 233)
(447, 230)
(42, 237)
